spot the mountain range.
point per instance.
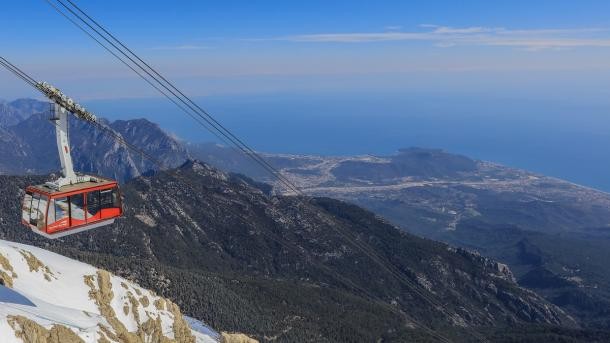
(553, 234)
(295, 269)
(236, 253)
(28, 138)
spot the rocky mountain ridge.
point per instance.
(12, 113)
(554, 234)
(28, 144)
(502, 212)
(214, 241)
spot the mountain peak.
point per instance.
(136, 122)
(203, 169)
(31, 145)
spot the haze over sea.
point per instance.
(545, 135)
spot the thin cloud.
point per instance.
(182, 47)
(437, 29)
(393, 28)
(446, 36)
(444, 44)
(356, 37)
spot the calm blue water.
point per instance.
(548, 136)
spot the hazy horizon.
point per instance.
(502, 130)
(525, 84)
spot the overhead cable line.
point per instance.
(128, 65)
(211, 124)
(362, 246)
(96, 123)
(18, 72)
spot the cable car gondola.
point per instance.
(73, 203)
(72, 209)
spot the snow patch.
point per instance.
(146, 219)
(54, 296)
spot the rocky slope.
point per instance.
(28, 144)
(12, 113)
(49, 298)
(321, 271)
(504, 213)
(553, 234)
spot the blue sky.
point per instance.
(525, 83)
(212, 47)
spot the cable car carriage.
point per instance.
(72, 209)
(73, 203)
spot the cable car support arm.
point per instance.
(62, 105)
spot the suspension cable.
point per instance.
(363, 247)
(164, 83)
(172, 86)
(216, 128)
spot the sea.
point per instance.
(564, 139)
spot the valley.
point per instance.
(304, 172)
(553, 234)
(296, 264)
(320, 270)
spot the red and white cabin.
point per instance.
(71, 209)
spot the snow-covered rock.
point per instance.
(47, 297)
